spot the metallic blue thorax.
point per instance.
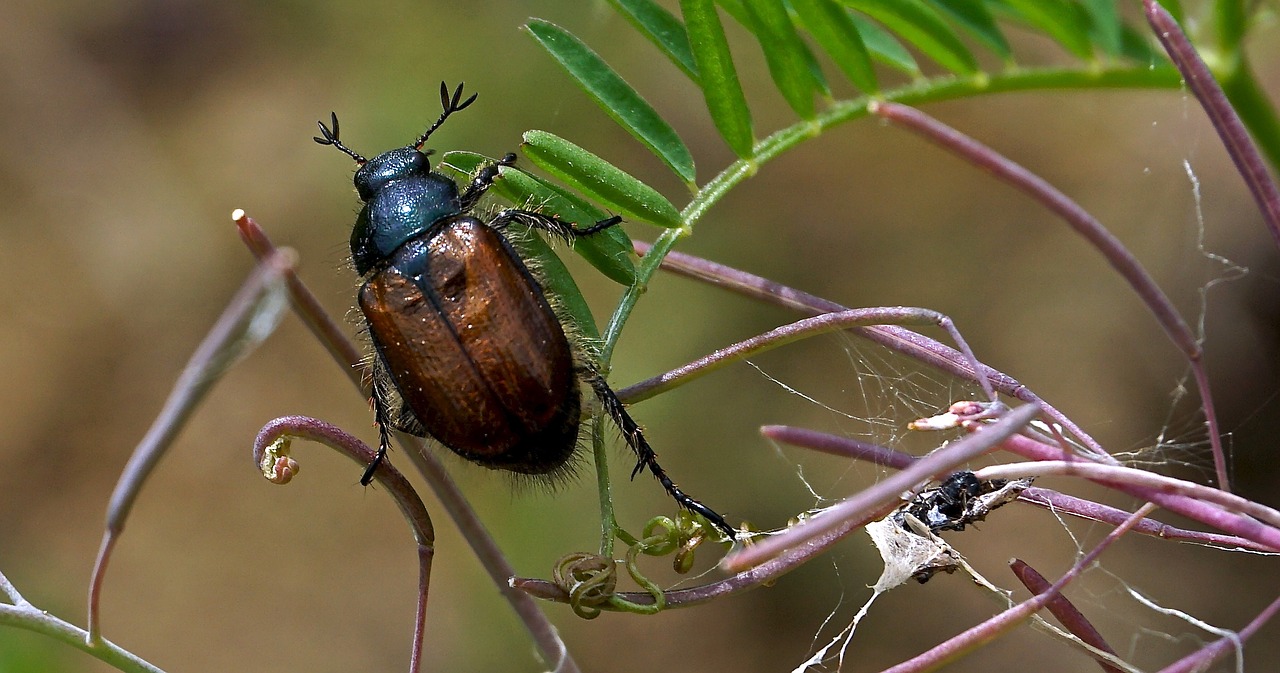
(403, 198)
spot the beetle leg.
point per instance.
(382, 417)
(562, 230)
(645, 455)
(483, 181)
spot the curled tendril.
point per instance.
(681, 536)
(661, 536)
(659, 598)
(589, 579)
(276, 463)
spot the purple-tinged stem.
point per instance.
(1088, 509)
(851, 448)
(273, 442)
(327, 332)
(819, 324)
(905, 341)
(775, 567)
(250, 317)
(554, 651)
(1230, 129)
(889, 490)
(1064, 611)
(1087, 226)
(271, 447)
(750, 578)
(1040, 497)
(1136, 478)
(836, 445)
(1201, 658)
(500, 571)
(1179, 504)
(989, 630)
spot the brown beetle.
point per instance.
(469, 350)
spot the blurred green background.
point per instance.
(130, 130)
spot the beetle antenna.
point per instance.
(450, 104)
(328, 137)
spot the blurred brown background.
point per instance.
(130, 130)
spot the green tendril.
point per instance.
(589, 579)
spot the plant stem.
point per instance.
(1153, 77)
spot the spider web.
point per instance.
(887, 391)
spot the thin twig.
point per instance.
(1040, 497)
(1230, 129)
(1064, 611)
(890, 489)
(1113, 474)
(1203, 512)
(1091, 229)
(271, 449)
(1201, 658)
(781, 336)
(500, 571)
(899, 339)
(250, 317)
(24, 615)
(977, 636)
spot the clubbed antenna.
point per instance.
(450, 105)
(328, 137)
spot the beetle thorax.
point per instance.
(403, 199)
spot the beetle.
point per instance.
(468, 350)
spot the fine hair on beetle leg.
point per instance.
(646, 457)
(390, 413)
(382, 418)
(555, 227)
(482, 181)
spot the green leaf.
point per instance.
(920, 25)
(832, 27)
(1230, 21)
(599, 179)
(1065, 23)
(1105, 23)
(556, 281)
(748, 20)
(736, 9)
(558, 284)
(884, 47)
(975, 18)
(719, 79)
(1135, 45)
(609, 251)
(615, 96)
(784, 53)
(661, 28)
